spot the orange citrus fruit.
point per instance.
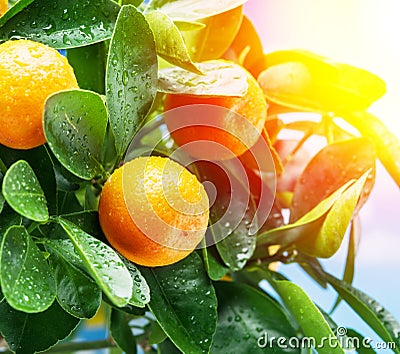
(3, 7)
(215, 38)
(153, 211)
(29, 73)
(233, 123)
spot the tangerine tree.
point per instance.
(162, 187)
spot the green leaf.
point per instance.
(102, 263)
(75, 123)
(184, 26)
(220, 78)
(307, 82)
(26, 280)
(191, 10)
(61, 24)
(387, 144)
(310, 319)
(42, 164)
(330, 168)
(23, 193)
(214, 267)
(308, 224)
(232, 215)
(16, 8)
(327, 241)
(157, 335)
(28, 333)
(8, 218)
(88, 221)
(141, 292)
(131, 77)
(358, 338)
(135, 3)
(76, 293)
(184, 303)
(121, 332)
(89, 64)
(247, 319)
(377, 317)
(348, 276)
(169, 41)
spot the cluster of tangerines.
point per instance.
(169, 201)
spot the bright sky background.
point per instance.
(363, 33)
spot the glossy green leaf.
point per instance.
(76, 292)
(88, 221)
(41, 161)
(247, 319)
(26, 280)
(27, 333)
(327, 241)
(307, 82)
(102, 263)
(135, 3)
(61, 24)
(75, 123)
(310, 319)
(377, 317)
(184, 303)
(214, 267)
(330, 168)
(191, 10)
(169, 41)
(89, 64)
(157, 335)
(141, 292)
(121, 332)
(310, 223)
(387, 144)
(23, 193)
(131, 77)
(220, 78)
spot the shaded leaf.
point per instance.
(8, 218)
(247, 319)
(131, 77)
(121, 332)
(377, 317)
(102, 263)
(27, 333)
(184, 303)
(310, 319)
(169, 41)
(26, 280)
(220, 78)
(23, 193)
(74, 124)
(76, 293)
(213, 264)
(89, 64)
(364, 348)
(61, 24)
